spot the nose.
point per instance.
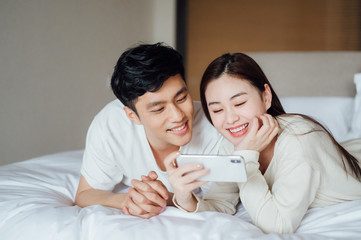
(176, 114)
(231, 116)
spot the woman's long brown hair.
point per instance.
(244, 67)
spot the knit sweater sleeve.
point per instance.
(281, 206)
(221, 197)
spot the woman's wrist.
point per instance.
(189, 204)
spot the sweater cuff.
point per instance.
(178, 206)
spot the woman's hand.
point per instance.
(184, 180)
(262, 131)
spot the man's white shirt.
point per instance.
(117, 149)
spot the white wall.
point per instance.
(56, 58)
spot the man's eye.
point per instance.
(182, 99)
(158, 110)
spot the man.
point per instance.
(130, 138)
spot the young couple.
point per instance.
(292, 162)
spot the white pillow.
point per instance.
(356, 119)
(335, 113)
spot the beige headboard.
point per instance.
(310, 73)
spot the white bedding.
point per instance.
(36, 198)
(36, 202)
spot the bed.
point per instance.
(37, 197)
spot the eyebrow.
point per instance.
(152, 104)
(231, 98)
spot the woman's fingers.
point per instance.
(268, 130)
(268, 125)
(254, 126)
(262, 131)
(170, 162)
(192, 176)
(265, 125)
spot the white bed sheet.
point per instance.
(36, 202)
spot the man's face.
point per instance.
(166, 114)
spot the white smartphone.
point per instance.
(223, 168)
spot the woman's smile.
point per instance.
(239, 130)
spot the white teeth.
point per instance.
(179, 128)
(238, 129)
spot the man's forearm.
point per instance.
(99, 197)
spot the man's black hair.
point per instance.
(143, 69)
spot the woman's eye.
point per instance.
(217, 111)
(240, 104)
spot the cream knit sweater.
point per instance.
(306, 171)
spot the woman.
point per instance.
(293, 163)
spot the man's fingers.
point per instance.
(138, 205)
(147, 215)
(126, 211)
(134, 209)
(150, 202)
(136, 196)
(151, 187)
(141, 186)
(153, 192)
(149, 208)
(152, 198)
(153, 175)
(146, 178)
(159, 187)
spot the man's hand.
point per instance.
(147, 198)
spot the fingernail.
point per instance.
(199, 165)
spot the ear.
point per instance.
(267, 96)
(133, 116)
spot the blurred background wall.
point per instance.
(214, 27)
(56, 58)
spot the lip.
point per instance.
(239, 130)
(180, 129)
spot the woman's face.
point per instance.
(232, 104)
